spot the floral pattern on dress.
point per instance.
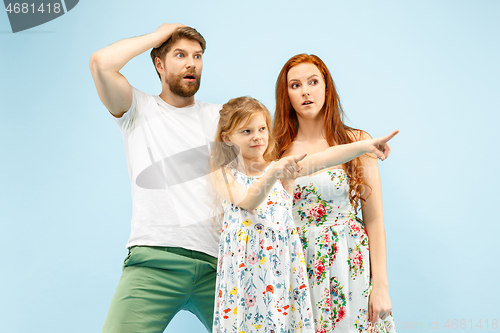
(336, 250)
(327, 243)
(334, 301)
(262, 283)
(316, 211)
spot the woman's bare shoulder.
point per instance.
(358, 135)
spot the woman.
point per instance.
(349, 286)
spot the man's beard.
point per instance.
(180, 88)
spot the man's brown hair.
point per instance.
(181, 33)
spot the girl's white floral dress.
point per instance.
(337, 255)
(262, 283)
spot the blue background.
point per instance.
(429, 68)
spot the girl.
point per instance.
(261, 281)
(349, 286)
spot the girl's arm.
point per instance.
(250, 198)
(344, 153)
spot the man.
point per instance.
(172, 261)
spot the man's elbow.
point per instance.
(96, 62)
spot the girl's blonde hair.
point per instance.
(224, 155)
(235, 114)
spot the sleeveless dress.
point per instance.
(262, 283)
(336, 248)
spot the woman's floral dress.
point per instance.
(262, 283)
(336, 248)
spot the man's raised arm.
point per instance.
(105, 65)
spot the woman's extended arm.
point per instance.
(343, 153)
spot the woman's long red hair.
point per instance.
(286, 125)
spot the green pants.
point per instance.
(158, 282)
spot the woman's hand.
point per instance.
(379, 146)
(287, 167)
(379, 304)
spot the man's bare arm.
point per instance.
(105, 65)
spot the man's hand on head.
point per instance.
(166, 30)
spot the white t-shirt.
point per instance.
(167, 157)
